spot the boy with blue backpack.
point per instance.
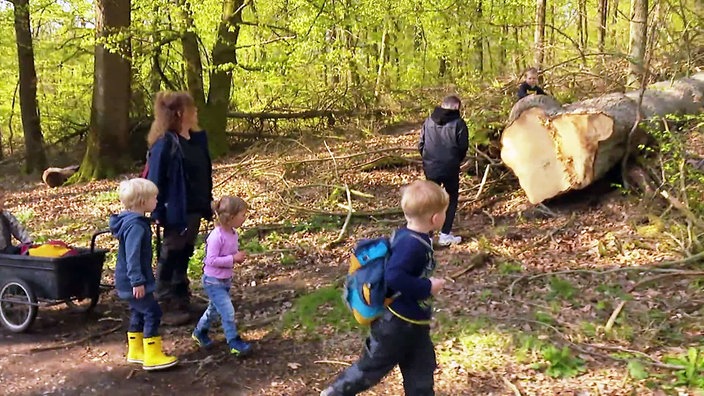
(401, 334)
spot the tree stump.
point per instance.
(553, 149)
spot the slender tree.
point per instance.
(35, 158)
(638, 39)
(539, 38)
(603, 18)
(107, 151)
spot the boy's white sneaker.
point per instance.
(448, 239)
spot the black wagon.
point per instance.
(28, 282)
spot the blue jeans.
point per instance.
(145, 316)
(218, 290)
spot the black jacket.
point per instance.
(444, 141)
(524, 90)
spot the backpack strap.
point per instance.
(395, 238)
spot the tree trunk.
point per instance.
(191, 56)
(539, 34)
(224, 60)
(638, 39)
(107, 152)
(213, 106)
(553, 149)
(35, 158)
(479, 39)
(583, 26)
(603, 13)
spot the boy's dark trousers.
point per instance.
(393, 341)
(450, 181)
(145, 316)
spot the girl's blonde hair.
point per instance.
(228, 207)
(169, 109)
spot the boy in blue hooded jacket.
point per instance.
(134, 279)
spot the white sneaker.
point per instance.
(448, 239)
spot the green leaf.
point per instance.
(636, 370)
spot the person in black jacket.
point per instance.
(443, 145)
(179, 164)
(530, 84)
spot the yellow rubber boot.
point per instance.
(135, 348)
(154, 357)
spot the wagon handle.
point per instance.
(94, 237)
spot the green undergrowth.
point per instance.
(319, 313)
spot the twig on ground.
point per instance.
(350, 209)
(78, 341)
(131, 374)
(510, 385)
(332, 362)
(475, 261)
(655, 267)
(614, 315)
(481, 185)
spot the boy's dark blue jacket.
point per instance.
(525, 89)
(444, 141)
(407, 271)
(134, 255)
(166, 170)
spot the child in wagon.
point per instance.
(11, 227)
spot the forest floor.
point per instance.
(525, 312)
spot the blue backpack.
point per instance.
(365, 291)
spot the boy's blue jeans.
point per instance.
(145, 316)
(392, 341)
(218, 290)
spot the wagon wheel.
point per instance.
(83, 304)
(18, 305)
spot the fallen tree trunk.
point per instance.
(553, 149)
(55, 177)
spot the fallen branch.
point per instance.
(78, 341)
(332, 362)
(475, 261)
(380, 212)
(481, 185)
(343, 231)
(510, 385)
(661, 267)
(614, 315)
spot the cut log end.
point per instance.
(553, 155)
(56, 177)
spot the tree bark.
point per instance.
(35, 157)
(107, 151)
(603, 14)
(638, 39)
(213, 107)
(191, 56)
(539, 34)
(553, 149)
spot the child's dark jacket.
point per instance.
(444, 141)
(407, 272)
(134, 254)
(524, 90)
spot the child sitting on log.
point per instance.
(9, 227)
(530, 84)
